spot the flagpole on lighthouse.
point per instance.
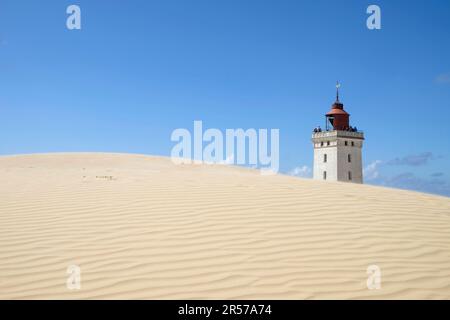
(338, 85)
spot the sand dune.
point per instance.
(141, 227)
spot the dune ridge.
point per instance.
(141, 227)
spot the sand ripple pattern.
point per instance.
(141, 227)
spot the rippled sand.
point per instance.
(142, 227)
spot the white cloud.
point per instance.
(371, 172)
(301, 171)
(414, 160)
(437, 184)
(409, 181)
(443, 78)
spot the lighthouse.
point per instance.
(337, 147)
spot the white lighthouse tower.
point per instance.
(337, 147)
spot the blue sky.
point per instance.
(137, 70)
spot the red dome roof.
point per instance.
(337, 108)
(336, 111)
(338, 117)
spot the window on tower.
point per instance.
(325, 157)
(346, 143)
(349, 158)
(324, 175)
(353, 143)
(328, 143)
(321, 144)
(349, 175)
